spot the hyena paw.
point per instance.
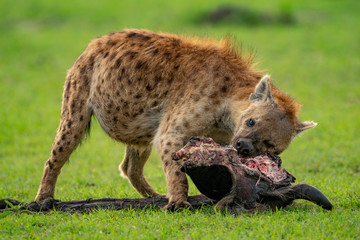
(43, 205)
(42, 197)
(175, 205)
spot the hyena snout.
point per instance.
(244, 147)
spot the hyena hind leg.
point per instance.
(132, 167)
(75, 119)
(69, 135)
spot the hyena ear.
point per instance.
(262, 91)
(302, 126)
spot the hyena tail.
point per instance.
(88, 128)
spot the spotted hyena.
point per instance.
(157, 89)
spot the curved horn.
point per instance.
(310, 193)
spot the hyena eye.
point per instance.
(250, 122)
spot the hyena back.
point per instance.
(155, 89)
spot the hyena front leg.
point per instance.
(176, 179)
(132, 167)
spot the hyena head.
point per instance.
(269, 123)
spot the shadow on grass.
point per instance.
(241, 15)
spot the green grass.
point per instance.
(316, 60)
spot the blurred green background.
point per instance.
(310, 48)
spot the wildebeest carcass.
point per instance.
(242, 183)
